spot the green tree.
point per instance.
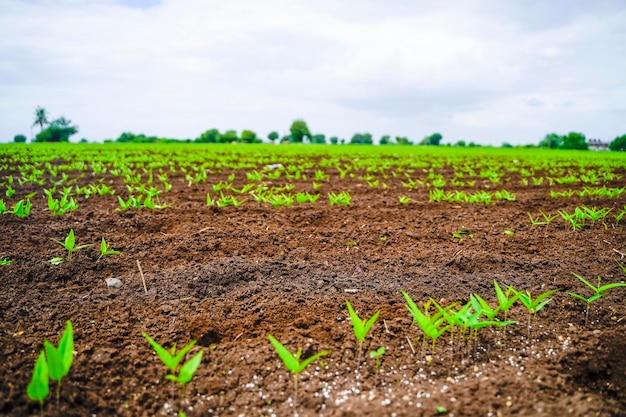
(506, 145)
(273, 136)
(551, 140)
(574, 140)
(41, 118)
(319, 139)
(403, 140)
(334, 140)
(229, 136)
(59, 130)
(248, 136)
(19, 139)
(385, 140)
(362, 139)
(460, 143)
(299, 130)
(433, 139)
(618, 144)
(210, 136)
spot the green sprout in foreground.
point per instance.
(292, 361)
(598, 290)
(39, 386)
(5, 261)
(171, 359)
(105, 249)
(70, 245)
(361, 327)
(54, 364)
(534, 306)
(377, 355)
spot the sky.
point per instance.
(488, 71)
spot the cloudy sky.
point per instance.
(487, 71)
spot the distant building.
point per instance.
(597, 145)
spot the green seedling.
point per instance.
(404, 199)
(60, 358)
(361, 326)
(509, 232)
(433, 326)
(534, 306)
(187, 371)
(461, 235)
(292, 362)
(505, 300)
(5, 261)
(70, 246)
(377, 355)
(598, 290)
(171, 359)
(57, 260)
(343, 198)
(39, 385)
(105, 249)
(22, 208)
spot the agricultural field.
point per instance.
(411, 280)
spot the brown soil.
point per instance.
(227, 277)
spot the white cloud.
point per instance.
(478, 70)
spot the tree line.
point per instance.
(61, 129)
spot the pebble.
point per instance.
(113, 282)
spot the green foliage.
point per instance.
(434, 139)
(248, 136)
(342, 198)
(210, 136)
(170, 358)
(377, 355)
(292, 361)
(39, 385)
(187, 371)
(385, 140)
(59, 359)
(572, 140)
(618, 144)
(19, 139)
(598, 290)
(70, 245)
(105, 249)
(432, 325)
(4, 261)
(318, 139)
(22, 208)
(360, 326)
(299, 130)
(59, 130)
(41, 117)
(362, 139)
(273, 136)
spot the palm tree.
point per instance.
(41, 117)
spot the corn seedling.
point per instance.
(598, 290)
(534, 306)
(59, 359)
(70, 245)
(39, 386)
(361, 326)
(433, 326)
(105, 249)
(292, 362)
(377, 355)
(404, 199)
(22, 208)
(171, 359)
(5, 261)
(342, 198)
(3, 207)
(506, 299)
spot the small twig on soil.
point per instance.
(387, 328)
(143, 279)
(410, 345)
(203, 230)
(619, 253)
(454, 255)
(238, 336)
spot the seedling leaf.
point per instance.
(39, 388)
